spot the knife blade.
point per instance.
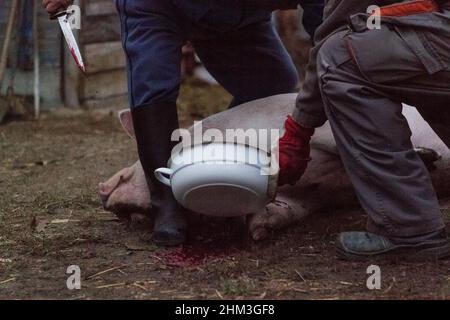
(71, 41)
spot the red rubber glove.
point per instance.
(293, 152)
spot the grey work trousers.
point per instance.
(364, 77)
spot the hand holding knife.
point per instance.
(64, 22)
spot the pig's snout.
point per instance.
(126, 191)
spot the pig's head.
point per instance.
(126, 192)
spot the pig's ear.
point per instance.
(127, 122)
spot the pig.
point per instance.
(324, 185)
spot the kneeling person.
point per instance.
(358, 81)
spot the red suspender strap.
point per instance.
(409, 8)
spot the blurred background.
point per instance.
(34, 39)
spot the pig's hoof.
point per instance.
(278, 214)
(169, 237)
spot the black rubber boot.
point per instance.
(360, 245)
(153, 127)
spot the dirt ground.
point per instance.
(51, 218)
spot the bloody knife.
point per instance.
(63, 19)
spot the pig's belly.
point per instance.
(422, 135)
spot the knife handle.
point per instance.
(55, 16)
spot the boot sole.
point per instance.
(421, 252)
(169, 242)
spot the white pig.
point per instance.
(325, 183)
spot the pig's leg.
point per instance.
(325, 185)
(279, 214)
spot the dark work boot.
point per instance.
(358, 245)
(153, 127)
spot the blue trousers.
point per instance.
(239, 47)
